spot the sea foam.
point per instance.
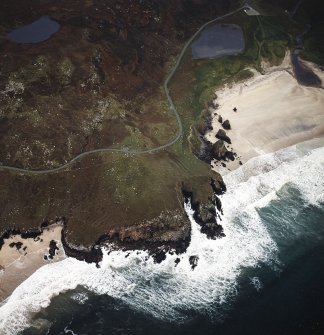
(166, 291)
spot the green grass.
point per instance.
(214, 73)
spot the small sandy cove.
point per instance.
(273, 112)
(17, 264)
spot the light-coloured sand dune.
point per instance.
(16, 265)
(273, 112)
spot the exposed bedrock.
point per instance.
(207, 214)
(221, 135)
(220, 152)
(92, 254)
(226, 125)
(52, 249)
(205, 124)
(193, 260)
(30, 233)
(168, 232)
(18, 245)
(206, 151)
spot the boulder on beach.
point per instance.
(226, 125)
(219, 150)
(221, 135)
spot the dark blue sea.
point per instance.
(265, 277)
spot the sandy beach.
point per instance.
(273, 112)
(20, 257)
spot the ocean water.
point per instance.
(265, 277)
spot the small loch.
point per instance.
(36, 32)
(218, 40)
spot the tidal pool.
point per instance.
(218, 40)
(36, 32)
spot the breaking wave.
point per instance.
(167, 291)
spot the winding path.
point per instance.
(125, 150)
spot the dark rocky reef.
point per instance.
(52, 249)
(193, 260)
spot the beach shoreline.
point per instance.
(267, 112)
(21, 256)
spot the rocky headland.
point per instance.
(97, 83)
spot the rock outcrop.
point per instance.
(193, 260)
(226, 125)
(221, 135)
(207, 214)
(219, 150)
(168, 232)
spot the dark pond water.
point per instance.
(217, 41)
(36, 32)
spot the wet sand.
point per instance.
(19, 261)
(273, 111)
